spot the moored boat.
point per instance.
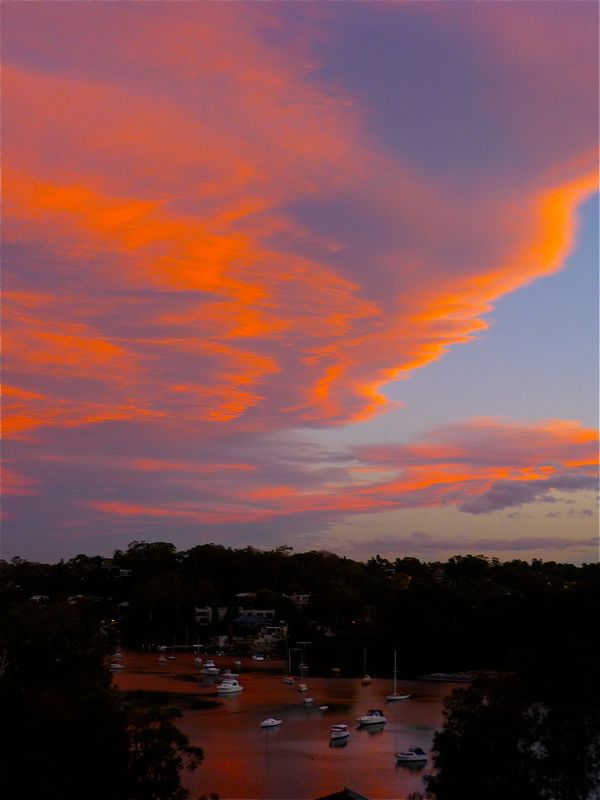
(395, 695)
(411, 756)
(270, 722)
(231, 686)
(366, 679)
(339, 731)
(228, 675)
(374, 716)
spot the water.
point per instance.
(294, 761)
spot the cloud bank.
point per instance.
(218, 230)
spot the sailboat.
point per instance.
(289, 678)
(395, 695)
(366, 680)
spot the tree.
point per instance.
(497, 742)
(65, 731)
(158, 753)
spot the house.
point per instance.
(203, 615)
(299, 600)
(252, 617)
(259, 624)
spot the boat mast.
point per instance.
(395, 653)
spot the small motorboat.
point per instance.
(229, 675)
(171, 658)
(197, 660)
(270, 722)
(209, 668)
(335, 671)
(302, 687)
(339, 731)
(374, 716)
(289, 680)
(229, 687)
(308, 701)
(411, 756)
(237, 663)
(323, 708)
(117, 666)
(366, 680)
(162, 659)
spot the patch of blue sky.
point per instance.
(539, 359)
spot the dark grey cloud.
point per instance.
(508, 494)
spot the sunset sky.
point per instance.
(316, 274)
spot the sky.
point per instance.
(314, 274)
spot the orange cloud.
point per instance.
(241, 235)
(481, 465)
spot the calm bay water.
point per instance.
(294, 761)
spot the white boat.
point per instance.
(229, 687)
(323, 708)
(208, 668)
(395, 695)
(162, 659)
(411, 756)
(366, 680)
(197, 660)
(339, 731)
(117, 666)
(229, 675)
(171, 658)
(308, 700)
(302, 687)
(374, 716)
(270, 722)
(257, 657)
(237, 663)
(289, 678)
(117, 654)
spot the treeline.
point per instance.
(469, 612)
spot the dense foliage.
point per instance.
(470, 612)
(65, 732)
(530, 729)
(506, 737)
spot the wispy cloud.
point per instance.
(211, 245)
